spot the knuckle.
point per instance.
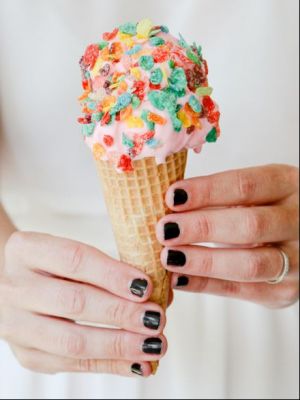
(117, 313)
(107, 274)
(118, 347)
(72, 301)
(247, 185)
(84, 365)
(231, 289)
(257, 267)
(202, 284)
(204, 227)
(75, 257)
(73, 345)
(89, 365)
(206, 192)
(99, 366)
(255, 226)
(207, 265)
(112, 367)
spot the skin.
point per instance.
(47, 283)
(262, 208)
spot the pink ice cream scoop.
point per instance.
(146, 94)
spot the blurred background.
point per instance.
(49, 183)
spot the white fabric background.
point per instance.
(218, 348)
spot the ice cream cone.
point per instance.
(136, 202)
(146, 95)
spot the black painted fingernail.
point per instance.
(176, 258)
(138, 287)
(152, 319)
(152, 346)
(171, 230)
(137, 369)
(180, 197)
(182, 281)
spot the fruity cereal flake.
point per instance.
(146, 94)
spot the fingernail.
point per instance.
(152, 346)
(180, 197)
(138, 287)
(152, 319)
(182, 281)
(137, 369)
(176, 258)
(171, 230)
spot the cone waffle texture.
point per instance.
(136, 202)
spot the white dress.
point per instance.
(219, 348)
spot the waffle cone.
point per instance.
(136, 202)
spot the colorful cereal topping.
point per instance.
(156, 76)
(146, 94)
(108, 140)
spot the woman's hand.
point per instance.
(48, 283)
(252, 206)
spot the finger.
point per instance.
(79, 262)
(41, 362)
(273, 296)
(259, 185)
(291, 249)
(240, 265)
(80, 302)
(243, 225)
(66, 339)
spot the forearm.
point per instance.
(6, 229)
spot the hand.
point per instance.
(48, 283)
(258, 206)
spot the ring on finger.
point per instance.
(285, 269)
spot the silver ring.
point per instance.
(285, 269)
